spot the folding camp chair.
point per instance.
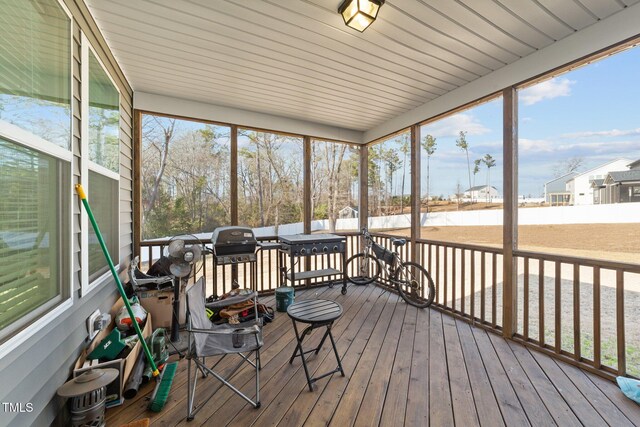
(207, 339)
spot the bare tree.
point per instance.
(159, 134)
(570, 165)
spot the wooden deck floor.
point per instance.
(403, 366)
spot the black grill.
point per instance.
(233, 245)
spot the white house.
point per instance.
(348, 212)
(579, 187)
(481, 193)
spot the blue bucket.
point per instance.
(284, 298)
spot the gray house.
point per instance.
(555, 191)
(599, 191)
(622, 186)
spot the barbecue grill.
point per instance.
(234, 245)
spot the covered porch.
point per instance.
(403, 365)
(183, 116)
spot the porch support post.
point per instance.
(510, 211)
(307, 185)
(233, 181)
(363, 194)
(137, 183)
(415, 192)
(307, 198)
(233, 193)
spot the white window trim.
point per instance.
(86, 287)
(21, 136)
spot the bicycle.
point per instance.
(413, 282)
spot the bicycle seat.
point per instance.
(399, 242)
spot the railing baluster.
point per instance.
(622, 353)
(576, 311)
(525, 308)
(541, 331)
(472, 300)
(438, 274)
(483, 290)
(597, 352)
(453, 279)
(558, 306)
(494, 285)
(462, 281)
(445, 279)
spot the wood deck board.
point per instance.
(401, 363)
(396, 399)
(464, 409)
(552, 399)
(297, 414)
(610, 412)
(296, 389)
(486, 404)
(526, 392)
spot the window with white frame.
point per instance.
(101, 155)
(35, 162)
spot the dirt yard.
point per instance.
(616, 242)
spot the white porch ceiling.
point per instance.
(296, 58)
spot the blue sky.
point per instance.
(591, 112)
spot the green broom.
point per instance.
(161, 392)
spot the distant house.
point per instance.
(555, 191)
(622, 186)
(482, 193)
(599, 191)
(580, 187)
(348, 212)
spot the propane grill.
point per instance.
(234, 245)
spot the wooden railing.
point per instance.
(583, 311)
(266, 277)
(580, 310)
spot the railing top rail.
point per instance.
(165, 241)
(588, 262)
(469, 246)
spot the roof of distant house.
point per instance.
(479, 187)
(597, 182)
(634, 165)
(625, 176)
(598, 167)
(566, 175)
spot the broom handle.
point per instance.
(147, 353)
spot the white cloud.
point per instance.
(546, 90)
(605, 133)
(452, 125)
(586, 149)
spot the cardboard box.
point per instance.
(160, 305)
(124, 366)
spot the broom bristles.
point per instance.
(163, 387)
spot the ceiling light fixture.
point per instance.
(359, 14)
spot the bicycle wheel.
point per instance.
(414, 284)
(362, 269)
